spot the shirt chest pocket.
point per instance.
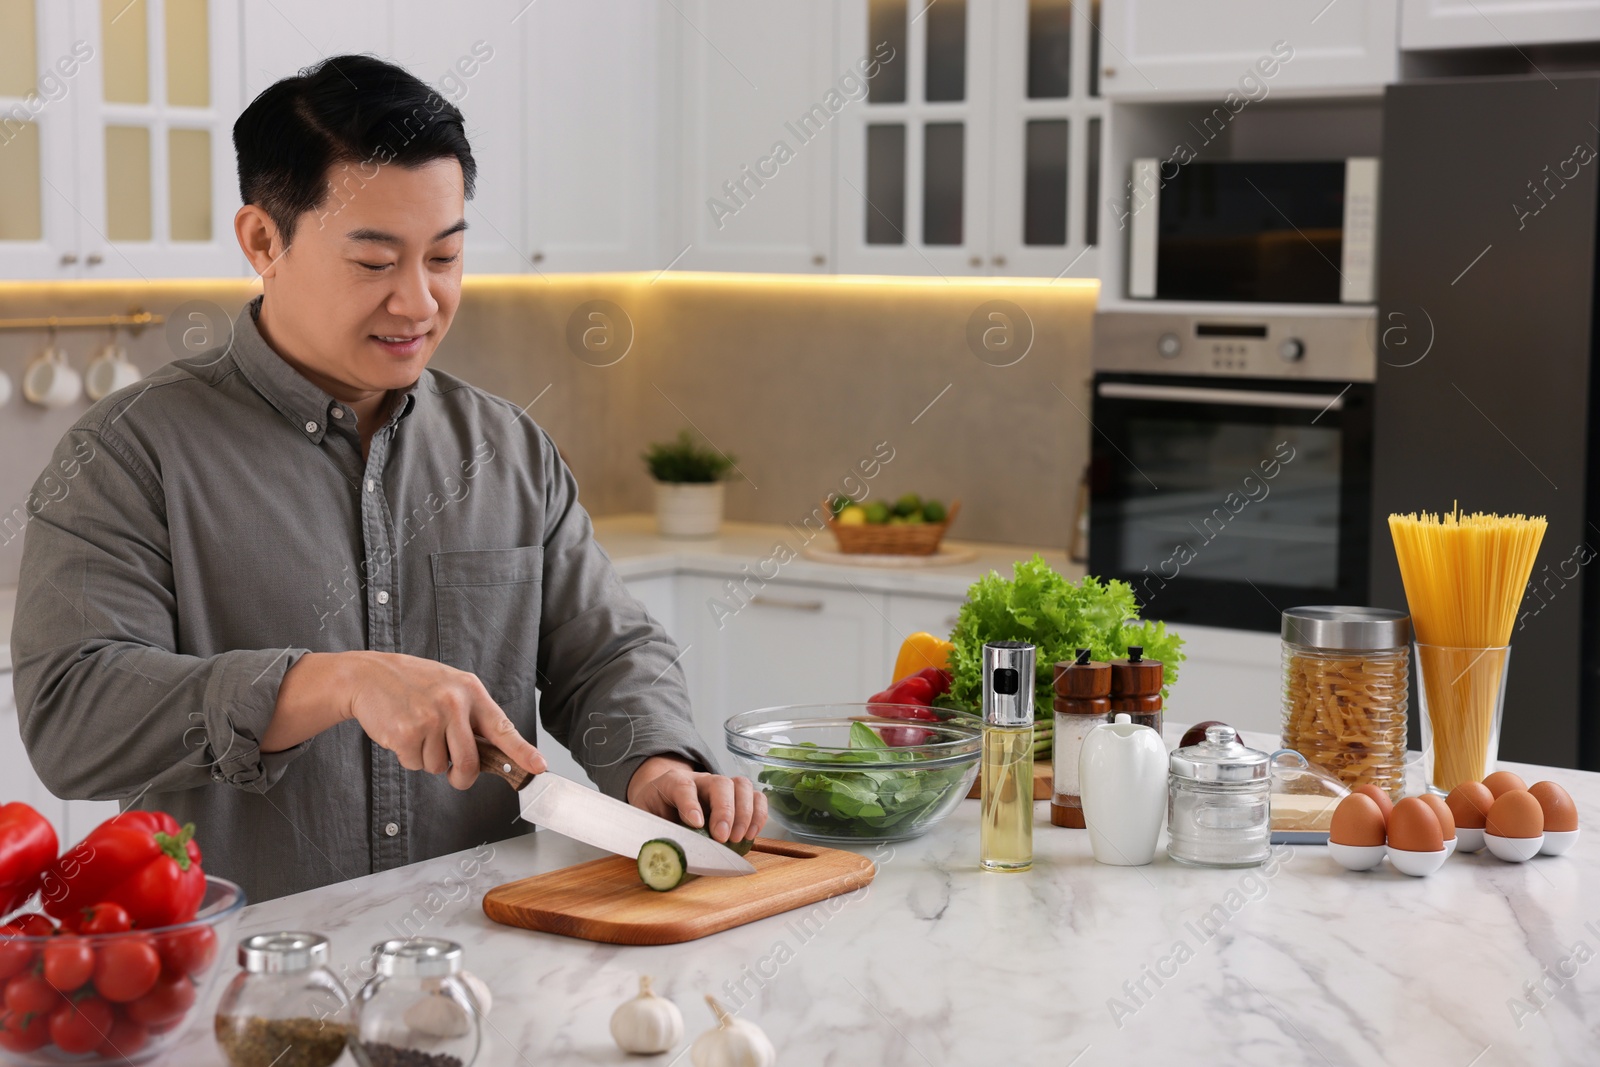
(487, 607)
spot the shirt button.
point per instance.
(338, 413)
(311, 427)
(383, 596)
(372, 486)
(391, 829)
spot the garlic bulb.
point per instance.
(439, 1015)
(647, 1023)
(734, 1043)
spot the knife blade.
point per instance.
(587, 815)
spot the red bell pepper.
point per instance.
(142, 860)
(27, 847)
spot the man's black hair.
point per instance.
(356, 113)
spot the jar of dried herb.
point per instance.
(284, 1008)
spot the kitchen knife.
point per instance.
(586, 815)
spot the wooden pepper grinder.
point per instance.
(1082, 692)
(1136, 688)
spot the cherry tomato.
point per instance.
(68, 962)
(125, 968)
(28, 994)
(21, 1032)
(104, 919)
(15, 952)
(34, 925)
(126, 1038)
(80, 1026)
(165, 1005)
(191, 951)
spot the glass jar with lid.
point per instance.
(1218, 802)
(417, 1009)
(1345, 690)
(285, 1008)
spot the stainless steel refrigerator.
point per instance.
(1486, 392)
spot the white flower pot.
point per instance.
(688, 509)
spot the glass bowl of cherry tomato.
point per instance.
(106, 993)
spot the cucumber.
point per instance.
(740, 848)
(662, 864)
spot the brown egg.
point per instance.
(1560, 813)
(1413, 827)
(1515, 814)
(1381, 798)
(1470, 803)
(1357, 821)
(1502, 782)
(1441, 811)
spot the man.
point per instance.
(293, 577)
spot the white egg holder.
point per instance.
(1422, 864)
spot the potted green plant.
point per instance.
(689, 481)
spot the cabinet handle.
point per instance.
(975, 261)
(790, 605)
(1109, 72)
(951, 620)
(819, 260)
(999, 261)
(68, 258)
(94, 259)
(537, 257)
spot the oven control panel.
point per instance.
(1333, 347)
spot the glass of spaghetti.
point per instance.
(1464, 577)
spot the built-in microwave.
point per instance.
(1230, 468)
(1291, 232)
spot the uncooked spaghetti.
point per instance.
(1464, 578)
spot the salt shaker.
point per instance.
(1218, 802)
(1081, 689)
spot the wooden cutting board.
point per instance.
(1043, 782)
(603, 900)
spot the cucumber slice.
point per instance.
(662, 864)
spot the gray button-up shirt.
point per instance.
(204, 529)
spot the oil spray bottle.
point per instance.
(1006, 832)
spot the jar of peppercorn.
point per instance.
(417, 1010)
(285, 1008)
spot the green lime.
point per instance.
(878, 512)
(907, 504)
(839, 503)
(933, 511)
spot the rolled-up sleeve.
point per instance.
(613, 689)
(106, 705)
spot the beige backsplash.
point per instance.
(801, 379)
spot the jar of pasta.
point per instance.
(1345, 679)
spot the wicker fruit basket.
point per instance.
(904, 539)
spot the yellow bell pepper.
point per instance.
(920, 651)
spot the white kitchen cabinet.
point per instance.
(72, 819)
(790, 643)
(591, 145)
(906, 615)
(1171, 49)
(761, 99)
(1233, 676)
(118, 160)
(1496, 23)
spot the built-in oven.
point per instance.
(1231, 464)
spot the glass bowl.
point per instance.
(857, 772)
(132, 1031)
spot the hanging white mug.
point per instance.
(108, 372)
(50, 381)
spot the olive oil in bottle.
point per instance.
(1006, 830)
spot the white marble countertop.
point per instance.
(639, 552)
(1073, 963)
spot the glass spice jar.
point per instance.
(1218, 802)
(285, 1008)
(416, 1011)
(1345, 688)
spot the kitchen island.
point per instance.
(1298, 962)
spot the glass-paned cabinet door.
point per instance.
(156, 189)
(39, 66)
(1048, 126)
(914, 173)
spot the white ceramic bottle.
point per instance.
(1122, 777)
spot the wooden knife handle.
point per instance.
(492, 761)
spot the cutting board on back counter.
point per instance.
(604, 900)
(1043, 782)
